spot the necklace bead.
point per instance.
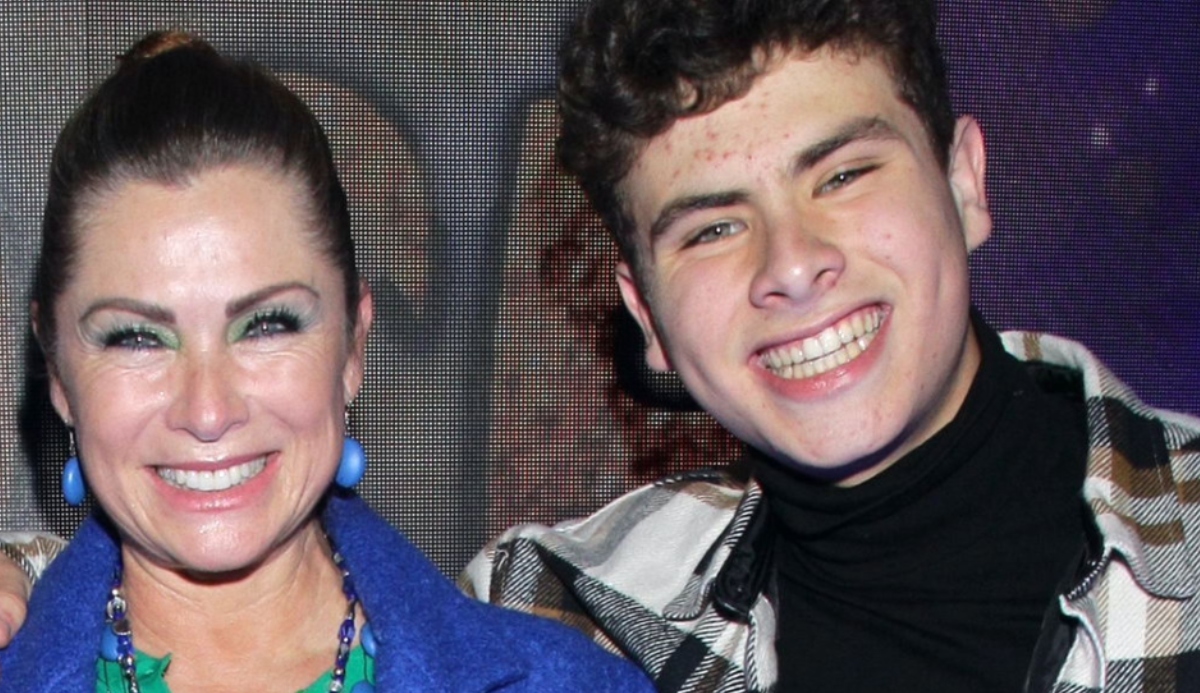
(116, 643)
(368, 640)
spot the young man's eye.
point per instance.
(843, 178)
(269, 324)
(135, 338)
(717, 231)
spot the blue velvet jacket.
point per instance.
(431, 637)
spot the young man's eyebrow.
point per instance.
(856, 130)
(685, 205)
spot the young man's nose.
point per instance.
(795, 263)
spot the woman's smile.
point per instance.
(213, 480)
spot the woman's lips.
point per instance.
(213, 480)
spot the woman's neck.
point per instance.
(272, 627)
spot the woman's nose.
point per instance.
(208, 400)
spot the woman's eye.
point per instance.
(134, 338)
(717, 231)
(270, 324)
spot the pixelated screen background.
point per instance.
(503, 383)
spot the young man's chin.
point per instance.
(844, 474)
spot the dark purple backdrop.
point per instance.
(1090, 111)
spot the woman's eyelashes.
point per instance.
(262, 323)
(137, 337)
(268, 322)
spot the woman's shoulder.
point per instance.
(56, 648)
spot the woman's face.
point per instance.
(204, 360)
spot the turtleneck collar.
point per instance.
(888, 511)
(936, 573)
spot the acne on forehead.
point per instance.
(719, 144)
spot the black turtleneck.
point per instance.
(934, 575)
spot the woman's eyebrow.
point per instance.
(150, 311)
(240, 305)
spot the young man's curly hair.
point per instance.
(631, 68)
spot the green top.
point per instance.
(150, 673)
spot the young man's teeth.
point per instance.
(218, 480)
(835, 346)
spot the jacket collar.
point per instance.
(426, 628)
(736, 569)
(1130, 487)
(56, 649)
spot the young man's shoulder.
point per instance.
(1099, 386)
(675, 516)
(1136, 593)
(638, 576)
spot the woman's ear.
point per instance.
(58, 393)
(62, 403)
(356, 359)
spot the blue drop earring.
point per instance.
(73, 488)
(353, 464)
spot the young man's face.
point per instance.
(805, 264)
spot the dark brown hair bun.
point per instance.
(158, 42)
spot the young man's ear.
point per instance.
(656, 355)
(968, 162)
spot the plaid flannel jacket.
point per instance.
(31, 551)
(666, 574)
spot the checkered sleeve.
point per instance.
(32, 552)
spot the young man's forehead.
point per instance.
(852, 54)
(834, 102)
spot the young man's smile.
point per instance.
(829, 349)
(805, 264)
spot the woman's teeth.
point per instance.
(217, 480)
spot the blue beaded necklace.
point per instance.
(116, 645)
